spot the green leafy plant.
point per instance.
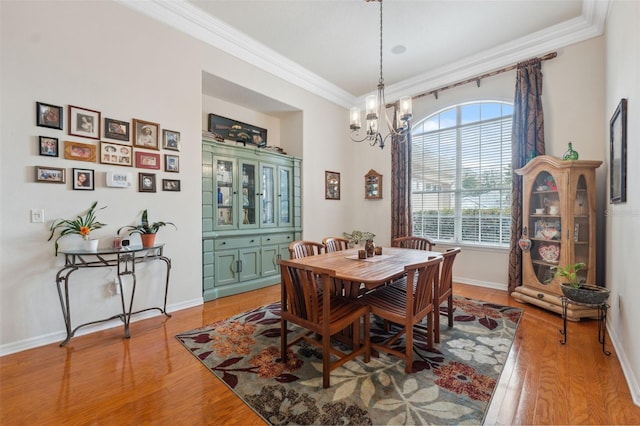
(81, 225)
(569, 273)
(357, 237)
(145, 227)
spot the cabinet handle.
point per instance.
(268, 239)
(540, 296)
(239, 262)
(224, 242)
(252, 241)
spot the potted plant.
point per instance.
(575, 290)
(359, 237)
(146, 230)
(81, 225)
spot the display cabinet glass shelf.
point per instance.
(559, 219)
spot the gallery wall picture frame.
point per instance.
(116, 129)
(146, 182)
(171, 163)
(48, 146)
(145, 134)
(331, 185)
(79, 151)
(147, 160)
(171, 185)
(226, 128)
(618, 154)
(116, 154)
(171, 140)
(83, 179)
(84, 122)
(50, 174)
(48, 115)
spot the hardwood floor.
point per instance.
(151, 379)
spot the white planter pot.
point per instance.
(90, 245)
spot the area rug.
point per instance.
(451, 384)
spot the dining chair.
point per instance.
(302, 248)
(335, 244)
(323, 315)
(416, 243)
(444, 290)
(406, 308)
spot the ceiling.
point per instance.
(331, 47)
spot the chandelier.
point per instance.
(376, 109)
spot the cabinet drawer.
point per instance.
(277, 239)
(234, 243)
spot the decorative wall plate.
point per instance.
(549, 252)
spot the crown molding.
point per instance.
(185, 17)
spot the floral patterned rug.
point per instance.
(450, 384)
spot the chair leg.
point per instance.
(283, 340)
(367, 338)
(436, 323)
(408, 360)
(326, 358)
(450, 309)
(430, 326)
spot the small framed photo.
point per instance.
(145, 134)
(147, 160)
(618, 154)
(84, 122)
(170, 185)
(79, 151)
(146, 182)
(48, 146)
(83, 179)
(50, 174)
(171, 163)
(48, 115)
(331, 185)
(171, 140)
(116, 129)
(116, 154)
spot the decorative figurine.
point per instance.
(570, 154)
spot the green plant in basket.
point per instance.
(569, 273)
(81, 225)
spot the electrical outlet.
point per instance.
(37, 216)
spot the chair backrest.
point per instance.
(301, 292)
(416, 243)
(446, 274)
(301, 248)
(425, 276)
(335, 244)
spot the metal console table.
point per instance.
(602, 320)
(125, 261)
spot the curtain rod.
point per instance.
(477, 79)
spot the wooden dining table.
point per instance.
(370, 272)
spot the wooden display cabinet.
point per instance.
(560, 220)
(372, 185)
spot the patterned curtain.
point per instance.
(528, 142)
(401, 221)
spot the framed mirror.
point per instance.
(372, 185)
(331, 185)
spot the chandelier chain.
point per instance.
(381, 80)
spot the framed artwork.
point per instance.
(618, 154)
(331, 185)
(145, 134)
(171, 163)
(84, 122)
(116, 154)
(146, 182)
(116, 129)
(226, 128)
(170, 185)
(147, 160)
(83, 179)
(48, 146)
(48, 115)
(171, 140)
(50, 174)
(119, 179)
(79, 151)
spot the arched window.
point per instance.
(461, 174)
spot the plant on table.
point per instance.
(146, 229)
(357, 237)
(81, 225)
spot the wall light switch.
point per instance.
(37, 216)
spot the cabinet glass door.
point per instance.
(545, 225)
(581, 225)
(248, 195)
(268, 195)
(225, 200)
(284, 196)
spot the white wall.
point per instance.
(623, 220)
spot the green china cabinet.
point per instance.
(250, 214)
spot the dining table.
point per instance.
(368, 273)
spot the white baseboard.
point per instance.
(59, 336)
(632, 381)
(495, 286)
